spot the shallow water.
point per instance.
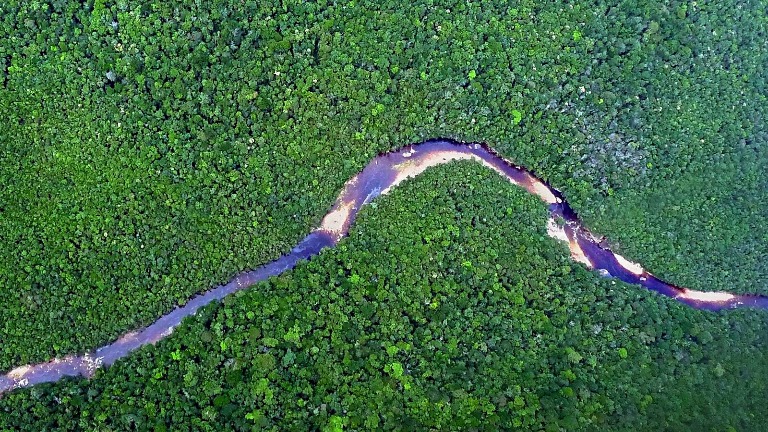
(379, 177)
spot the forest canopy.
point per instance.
(149, 151)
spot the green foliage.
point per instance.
(377, 355)
(152, 150)
(172, 147)
(623, 353)
(517, 116)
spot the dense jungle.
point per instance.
(153, 150)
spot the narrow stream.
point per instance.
(379, 177)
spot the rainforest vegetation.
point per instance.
(152, 150)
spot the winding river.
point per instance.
(379, 177)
